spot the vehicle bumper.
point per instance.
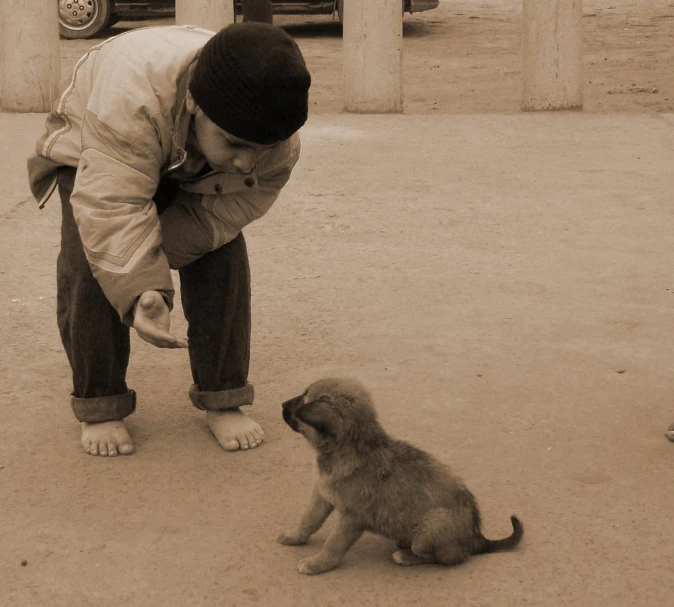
(417, 6)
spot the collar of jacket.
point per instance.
(181, 125)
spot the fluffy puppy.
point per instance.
(381, 485)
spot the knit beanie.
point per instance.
(251, 80)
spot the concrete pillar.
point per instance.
(372, 55)
(30, 61)
(210, 14)
(552, 49)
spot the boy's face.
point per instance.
(223, 152)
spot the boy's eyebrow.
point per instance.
(238, 141)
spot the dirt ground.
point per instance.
(502, 283)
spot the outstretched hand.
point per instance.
(152, 320)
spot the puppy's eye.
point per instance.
(332, 405)
(318, 415)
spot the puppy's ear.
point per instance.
(318, 415)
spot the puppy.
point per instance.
(381, 485)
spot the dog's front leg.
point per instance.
(319, 509)
(343, 536)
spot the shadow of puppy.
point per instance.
(381, 485)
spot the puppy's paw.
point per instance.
(406, 558)
(316, 564)
(291, 538)
(399, 557)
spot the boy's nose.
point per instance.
(244, 160)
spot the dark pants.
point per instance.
(215, 293)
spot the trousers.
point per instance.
(216, 300)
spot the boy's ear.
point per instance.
(190, 103)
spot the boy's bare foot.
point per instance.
(106, 438)
(234, 429)
(670, 432)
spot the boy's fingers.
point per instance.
(182, 342)
(168, 344)
(178, 342)
(162, 339)
(174, 345)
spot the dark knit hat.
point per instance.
(251, 80)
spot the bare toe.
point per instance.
(670, 432)
(234, 430)
(126, 449)
(106, 439)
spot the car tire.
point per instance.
(340, 10)
(84, 18)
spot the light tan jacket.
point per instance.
(123, 124)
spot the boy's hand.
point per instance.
(151, 319)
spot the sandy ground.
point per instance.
(501, 282)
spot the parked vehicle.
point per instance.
(86, 18)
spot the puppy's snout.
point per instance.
(290, 405)
(289, 408)
(287, 417)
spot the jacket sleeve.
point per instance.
(117, 219)
(196, 224)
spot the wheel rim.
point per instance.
(78, 14)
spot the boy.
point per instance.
(165, 144)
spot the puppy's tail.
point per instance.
(507, 543)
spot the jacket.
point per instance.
(122, 122)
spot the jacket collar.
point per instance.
(181, 126)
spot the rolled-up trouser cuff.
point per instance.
(222, 399)
(104, 408)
